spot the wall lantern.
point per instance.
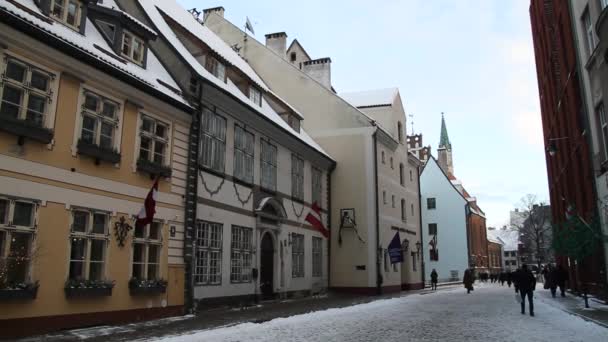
(418, 246)
(552, 148)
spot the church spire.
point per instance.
(445, 140)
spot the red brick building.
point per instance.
(494, 256)
(569, 166)
(477, 235)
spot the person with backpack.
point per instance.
(434, 280)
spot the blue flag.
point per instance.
(394, 250)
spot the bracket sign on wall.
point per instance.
(121, 230)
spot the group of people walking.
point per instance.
(555, 277)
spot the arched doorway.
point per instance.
(267, 267)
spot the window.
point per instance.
(297, 177)
(292, 57)
(412, 208)
(147, 247)
(411, 176)
(588, 28)
(430, 203)
(317, 256)
(403, 213)
(401, 174)
(213, 142)
(317, 186)
(67, 12)
(240, 254)
(25, 92)
(216, 68)
(297, 255)
(193, 85)
(88, 239)
(255, 95)
(99, 120)
(432, 228)
(208, 265)
(383, 159)
(153, 140)
(506, 254)
(269, 165)
(393, 200)
(384, 197)
(243, 154)
(400, 131)
(294, 122)
(601, 114)
(17, 228)
(133, 47)
(392, 167)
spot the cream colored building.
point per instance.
(357, 138)
(87, 119)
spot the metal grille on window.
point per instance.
(213, 142)
(17, 228)
(243, 154)
(153, 140)
(240, 256)
(99, 120)
(269, 165)
(147, 246)
(208, 264)
(25, 92)
(317, 256)
(89, 235)
(297, 177)
(297, 255)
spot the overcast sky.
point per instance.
(473, 60)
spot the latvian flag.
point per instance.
(146, 214)
(316, 220)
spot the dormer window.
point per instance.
(294, 122)
(67, 12)
(216, 68)
(133, 47)
(255, 95)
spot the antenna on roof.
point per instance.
(249, 26)
(195, 13)
(412, 121)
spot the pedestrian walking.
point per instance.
(434, 280)
(467, 280)
(561, 277)
(527, 284)
(515, 278)
(509, 277)
(502, 277)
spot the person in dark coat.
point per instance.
(515, 277)
(509, 277)
(502, 277)
(434, 280)
(561, 277)
(550, 282)
(467, 280)
(527, 284)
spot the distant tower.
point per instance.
(444, 151)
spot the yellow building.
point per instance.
(88, 118)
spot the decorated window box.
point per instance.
(153, 168)
(97, 152)
(88, 288)
(26, 129)
(19, 291)
(147, 287)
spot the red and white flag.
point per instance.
(316, 220)
(146, 214)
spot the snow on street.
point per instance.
(489, 313)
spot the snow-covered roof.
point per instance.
(492, 239)
(153, 9)
(188, 22)
(369, 98)
(153, 75)
(111, 4)
(508, 237)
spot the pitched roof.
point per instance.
(295, 41)
(371, 98)
(154, 75)
(508, 237)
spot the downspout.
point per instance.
(589, 142)
(467, 211)
(421, 229)
(329, 209)
(378, 273)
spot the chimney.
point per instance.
(277, 42)
(217, 10)
(320, 70)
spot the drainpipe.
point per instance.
(329, 209)
(377, 252)
(421, 229)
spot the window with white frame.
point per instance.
(243, 154)
(297, 177)
(297, 255)
(213, 141)
(147, 248)
(317, 256)
(268, 165)
(255, 95)
(67, 12)
(133, 47)
(153, 140)
(88, 242)
(17, 229)
(240, 254)
(215, 67)
(25, 92)
(588, 27)
(99, 120)
(317, 186)
(208, 265)
(601, 118)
